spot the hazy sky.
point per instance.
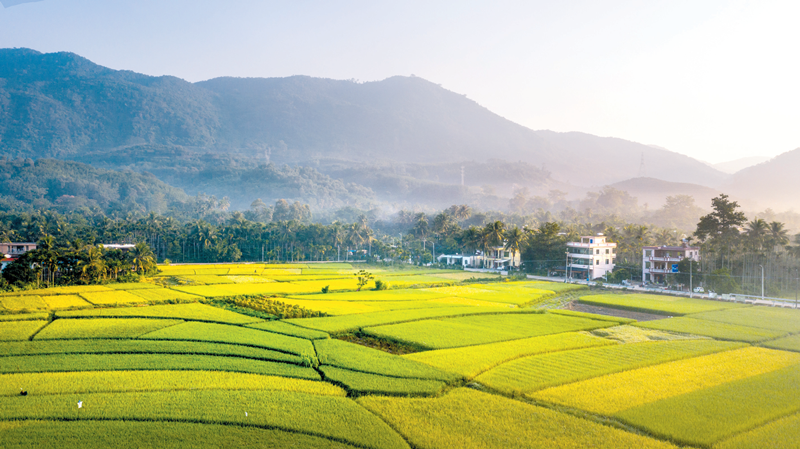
(716, 80)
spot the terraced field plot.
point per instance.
(102, 328)
(611, 394)
(773, 318)
(19, 330)
(470, 361)
(220, 333)
(495, 422)
(718, 330)
(707, 416)
(661, 304)
(111, 297)
(154, 435)
(533, 373)
(326, 416)
(346, 323)
(481, 329)
(189, 312)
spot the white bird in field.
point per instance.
(245, 414)
(80, 404)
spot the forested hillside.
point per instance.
(27, 185)
(62, 105)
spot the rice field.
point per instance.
(528, 374)
(339, 324)
(221, 333)
(111, 297)
(495, 422)
(706, 416)
(473, 360)
(481, 329)
(19, 330)
(327, 416)
(615, 393)
(659, 304)
(37, 434)
(354, 357)
(720, 331)
(192, 373)
(773, 318)
(189, 312)
(102, 328)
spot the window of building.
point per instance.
(607, 251)
(606, 261)
(597, 251)
(648, 253)
(597, 262)
(647, 264)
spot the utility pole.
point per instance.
(338, 253)
(795, 287)
(434, 251)
(691, 287)
(566, 267)
(762, 282)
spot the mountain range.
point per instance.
(362, 140)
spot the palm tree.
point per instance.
(778, 235)
(514, 240)
(757, 231)
(143, 258)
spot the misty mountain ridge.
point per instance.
(736, 165)
(401, 140)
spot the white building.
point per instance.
(658, 261)
(455, 259)
(591, 258)
(10, 252)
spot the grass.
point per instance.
(360, 358)
(163, 294)
(95, 346)
(150, 362)
(706, 416)
(220, 333)
(102, 328)
(19, 330)
(783, 433)
(791, 343)
(659, 304)
(152, 435)
(358, 383)
(129, 381)
(528, 374)
(346, 323)
(215, 291)
(282, 327)
(611, 394)
(773, 318)
(110, 297)
(191, 312)
(720, 331)
(465, 418)
(472, 360)
(482, 329)
(328, 416)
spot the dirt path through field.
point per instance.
(638, 316)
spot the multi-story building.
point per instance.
(9, 252)
(591, 258)
(658, 261)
